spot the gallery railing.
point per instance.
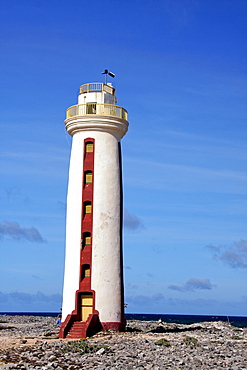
(98, 109)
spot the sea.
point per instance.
(238, 321)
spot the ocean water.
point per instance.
(238, 321)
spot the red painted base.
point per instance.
(116, 326)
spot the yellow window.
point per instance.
(89, 148)
(89, 177)
(88, 208)
(88, 240)
(87, 272)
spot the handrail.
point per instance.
(96, 87)
(97, 109)
(91, 87)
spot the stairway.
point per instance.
(77, 330)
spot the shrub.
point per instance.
(7, 327)
(163, 342)
(237, 337)
(82, 346)
(191, 341)
(134, 329)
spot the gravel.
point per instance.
(33, 343)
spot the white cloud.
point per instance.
(131, 221)
(26, 302)
(159, 303)
(180, 177)
(14, 231)
(234, 255)
(193, 284)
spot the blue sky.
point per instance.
(180, 70)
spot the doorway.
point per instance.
(86, 305)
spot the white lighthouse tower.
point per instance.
(93, 276)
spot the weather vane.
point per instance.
(106, 73)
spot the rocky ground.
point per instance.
(29, 342)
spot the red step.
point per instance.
(77, 330)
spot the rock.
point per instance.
(23, 341)
(100, 351)
(208, 346)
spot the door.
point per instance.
(86, 303)
(91, 108)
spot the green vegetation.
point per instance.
(236, 337)
(134, 329)
(82, 346)
(7, 327)
(191, 341)
(163, 342)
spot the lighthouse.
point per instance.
(93, 274)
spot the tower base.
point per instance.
(73, 328)
(116, 326)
